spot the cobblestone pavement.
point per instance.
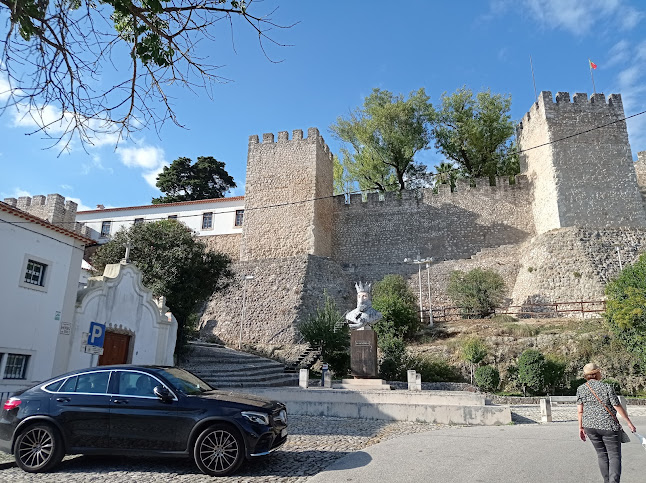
(314, 443)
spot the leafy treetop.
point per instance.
(183, 181)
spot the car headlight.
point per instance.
(254, 417)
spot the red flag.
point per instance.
(592, 64)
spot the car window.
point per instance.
(53, 387)
(184, 381)
(69, 385)
(93, 382)
(136, 384)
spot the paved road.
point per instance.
(508, 454)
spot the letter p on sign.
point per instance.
(96, 335)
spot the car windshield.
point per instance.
(184, 381)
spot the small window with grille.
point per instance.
(35, 273)
(239, 217)
(207, 221)
(16, 366)
(172, 217)
(105, 229)
(139, 221)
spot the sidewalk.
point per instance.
(503, 454)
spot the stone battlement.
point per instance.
(579, 103)
(313, 136)
(53, 208)
(444, 193)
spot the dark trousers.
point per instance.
(608, 447)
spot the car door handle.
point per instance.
(120, 401)
(63, 399)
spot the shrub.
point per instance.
(394, 358)
(473, 350)
(319, 331)
(554, 372)
(531, 370)
(477, 293)
(626, 307)
(435, 369)
(521, 330)
(614, 384)
(395, 300)
(487, 378)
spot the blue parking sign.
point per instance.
(96, 335)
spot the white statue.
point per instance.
(364, 315)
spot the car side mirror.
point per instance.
(163, 393)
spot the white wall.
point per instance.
(28, 320)
(189, 213)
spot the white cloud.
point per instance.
(619, 53)
(641, 51)
(16, 193)
(66, 187)
(575, 16)
(150, 159)
(81, 206)
(627, 78)
(95, 163)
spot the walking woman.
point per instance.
(598, 406)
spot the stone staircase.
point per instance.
(225, 368)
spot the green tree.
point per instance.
(320, 330)
(203, 180)
(383, 137)
(626, 307)
(446, 174)
(473, 350)
(174, 264)
(487, 378)
(394, 358)
(554, 372)
(531, 370)
(59, 55)
(476, 133)
(397, 303)
(477, 292)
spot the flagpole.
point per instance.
(594, 89)
(533, 79)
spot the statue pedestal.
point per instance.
(363, 353)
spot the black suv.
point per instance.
(138, 410)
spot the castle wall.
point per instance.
(443, 225)
(52, 208)
(227, 244)
(591, 173)
(286, 213)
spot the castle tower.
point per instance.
(288, 204)
(578, 158)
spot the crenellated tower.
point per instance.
(578, 158)
(288, 197)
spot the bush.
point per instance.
(626, 307)
(394, 299)
(473, 350)
(531, 370)
(435, 369)
(477, 293)
(487, 378)
(554, 372)
(614, 384)
(394, 358)
(319, 331)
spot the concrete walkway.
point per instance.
(505, 454)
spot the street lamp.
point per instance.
(419, 261)
(244, 299)
(619, 256)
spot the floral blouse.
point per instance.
(594, 414)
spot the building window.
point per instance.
(139, 221)
(16, 366)
(207, 221)
(105, 229)
(239, 217)
(172, 217)
(35, 273)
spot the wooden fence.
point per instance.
(526, 311)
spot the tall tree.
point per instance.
(174, 263)
(59, 57)
(383, 137)
(183, 181)
(476, 133)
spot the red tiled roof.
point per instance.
(39, 221)
(162, 205)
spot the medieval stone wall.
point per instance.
(585, 175)
(288, 186)
(443, 225)
(227, 244)
(53, 208)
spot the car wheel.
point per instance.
(219, 450)
(38, 448)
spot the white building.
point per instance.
(40, 264)
(218, 216)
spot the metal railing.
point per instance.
(530, 310)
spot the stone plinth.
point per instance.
(363, 353)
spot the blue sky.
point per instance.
(340, 51)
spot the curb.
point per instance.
(6, 466)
